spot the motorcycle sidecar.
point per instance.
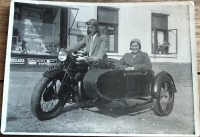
(114, 85)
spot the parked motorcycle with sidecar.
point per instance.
(76, 79)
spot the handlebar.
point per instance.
(82, 56)
(79, 53)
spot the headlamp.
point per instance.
(62, 55)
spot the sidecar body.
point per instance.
(115, 85)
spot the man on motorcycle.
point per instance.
(95, 42)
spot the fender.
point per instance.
(157, 82)
(54, 73)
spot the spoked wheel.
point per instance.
(163, 105)
(46, 102)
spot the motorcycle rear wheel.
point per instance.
(45, 102)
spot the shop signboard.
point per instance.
(78, 32)
(17, 61)
(81, 25)
(43, 62)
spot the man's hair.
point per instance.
(92, 22)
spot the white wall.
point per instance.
(135, 22)
(180, 20)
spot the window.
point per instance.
(164, 41)
(108, 24)
(35, 30)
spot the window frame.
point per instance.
(176, 40)
(155, 29)
(115, 25)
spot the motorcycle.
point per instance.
(77, 79)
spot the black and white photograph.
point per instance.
(106, 69)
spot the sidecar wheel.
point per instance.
(163, 104)
(45, 103)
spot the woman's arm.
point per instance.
(121, 64)
(144, 64)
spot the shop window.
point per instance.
(164, 41)
(108, 24)
(36, 30)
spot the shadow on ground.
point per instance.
(114, 109)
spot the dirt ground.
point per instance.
(112, 118)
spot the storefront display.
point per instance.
(34, 46)
(34, 32)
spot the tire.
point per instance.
(163, 104)
(44, 96)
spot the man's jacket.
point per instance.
(99, 48)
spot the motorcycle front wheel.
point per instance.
(46, 103)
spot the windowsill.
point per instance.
(162, 55)
(150, 55)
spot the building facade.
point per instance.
(164, 30)
(39, 31)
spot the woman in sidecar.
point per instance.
(140, 81)
(136, 60)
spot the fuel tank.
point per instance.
(113, 84)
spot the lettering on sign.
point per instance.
(78, 32)
(81, 25)
(44, 62)
(17, 61)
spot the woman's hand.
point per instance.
(129, 68)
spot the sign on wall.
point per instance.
(17, 61)
(33, 61)
(81, 25)
(78, 32)
(45, 62)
